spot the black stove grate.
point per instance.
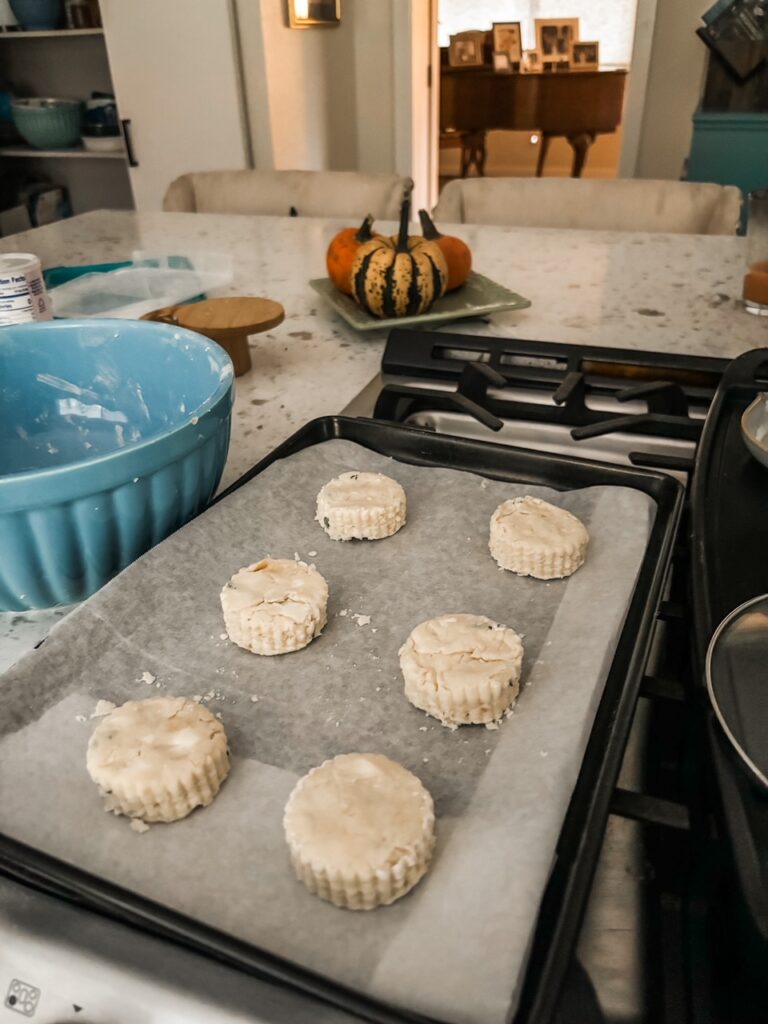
(694, 977)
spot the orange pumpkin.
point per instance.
(457, 254)
(342, 251)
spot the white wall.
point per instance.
(675, 81)
(319, 98)
(338, 98)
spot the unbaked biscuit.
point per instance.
(275, 606)
(361, 506)
(158, 759)
(360, 830)
(533, 538)
(462, 669)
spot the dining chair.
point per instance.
(621, 204)
(284, 193)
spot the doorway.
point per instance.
(509, 115)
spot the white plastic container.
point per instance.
(151, 283)
(23, 296)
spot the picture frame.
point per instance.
(501, 62)
(314, 13)
(531, 62)
(507, 39)
(585, 55)
(554, 37)
(467, 49)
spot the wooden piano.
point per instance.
(576, 104)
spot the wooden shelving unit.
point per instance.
(77, 152)
(58, 33)
(67, 63)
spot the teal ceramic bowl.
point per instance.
(48, 123)
(113, 433)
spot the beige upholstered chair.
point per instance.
(308, 193)
(677, 207)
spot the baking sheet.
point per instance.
(456, 947)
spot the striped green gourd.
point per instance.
(399, 276)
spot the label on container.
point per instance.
(23, 296)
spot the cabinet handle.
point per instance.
(132, 161)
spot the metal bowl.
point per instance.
(737, 680)
(754, 428)
(113, 433)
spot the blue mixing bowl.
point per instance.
(113, 433)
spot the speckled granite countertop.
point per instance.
(676, 293)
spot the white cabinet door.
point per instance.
(176, 76)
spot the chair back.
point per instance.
(675, 207)
(283, 193)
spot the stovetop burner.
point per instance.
(646, 409)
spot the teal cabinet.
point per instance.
(730, 149)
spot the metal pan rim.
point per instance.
(728, 621)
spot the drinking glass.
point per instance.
(756, 279)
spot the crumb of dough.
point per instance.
(148, 678)
(80, 718)
(254, 700)
(362, 620)
(312, 554)
(103, 707)
(139, 826)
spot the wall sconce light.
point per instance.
(308, 13)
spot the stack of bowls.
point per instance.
(113, 433)
(48, 123)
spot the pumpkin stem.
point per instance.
(428, 228)
(405, 216)
(364, 233)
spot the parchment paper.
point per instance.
(456, 947)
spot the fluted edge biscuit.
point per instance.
(158, 759)
(462, 669)
(531, 537)
(332, 812)
(361, 506)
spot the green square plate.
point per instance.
(479, 296)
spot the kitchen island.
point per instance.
(671, 293)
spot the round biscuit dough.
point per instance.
(360, 830)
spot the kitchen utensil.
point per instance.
(113, 434)
(227, 321)
(101, 111)
(479, 296)
(102, 143)
(737, 680)
(158, 587)
(48, 123)
(729, 525)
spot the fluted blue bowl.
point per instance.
(113, 433)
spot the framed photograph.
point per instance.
(310, 13)
(554, 37)
(501, 62)
(507, 39)
(585, 56)
(466, 50)
(531, 61)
